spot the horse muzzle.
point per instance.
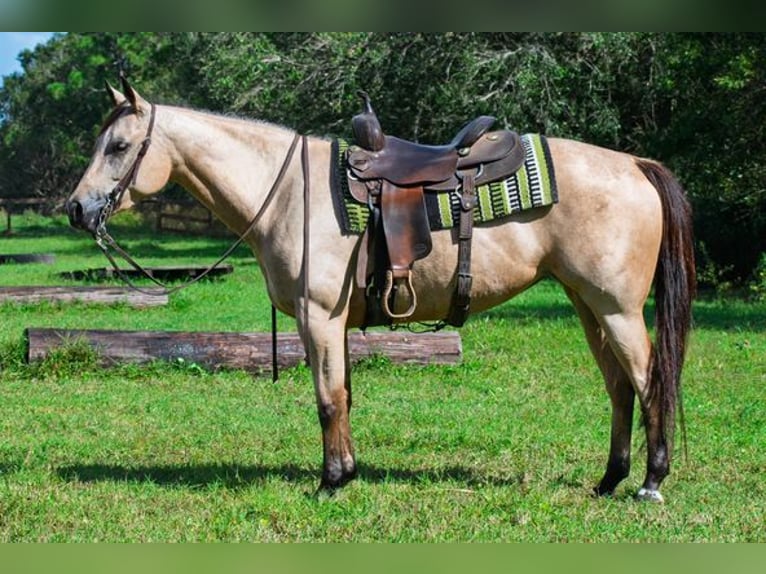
(84, 216)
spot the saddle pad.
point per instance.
(532, 186)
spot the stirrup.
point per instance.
(387, 294)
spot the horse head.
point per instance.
(128, 162)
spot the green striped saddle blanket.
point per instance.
(532, 186)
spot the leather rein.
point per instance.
(105, 241)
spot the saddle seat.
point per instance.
(436, 167)
(391, 174)
(407, 163)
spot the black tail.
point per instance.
(675, 285)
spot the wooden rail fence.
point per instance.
(15, 205)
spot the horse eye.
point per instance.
(117, 147)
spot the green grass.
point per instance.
(503, 447)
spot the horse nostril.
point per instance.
(75, 212)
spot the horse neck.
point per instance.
(229, 164)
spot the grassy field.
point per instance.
(504, 447)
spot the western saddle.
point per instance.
(391, 176)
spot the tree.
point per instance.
(693, 101)
(52, 111)
(711, 92)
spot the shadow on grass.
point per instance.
(139, 241)
(736, 318)
(235, 476)
(160, 248)
(530, 313)
(728, 315)
(164, 247)
(10, 467)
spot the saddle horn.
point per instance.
(366, 128)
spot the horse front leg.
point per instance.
(329, 361)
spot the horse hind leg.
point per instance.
(629, 340)
(621, 395)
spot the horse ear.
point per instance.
(116, 97)
(136, 101)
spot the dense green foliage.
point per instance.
(502, 447)
(693, 101)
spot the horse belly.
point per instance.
(602, 237)
(506, 258)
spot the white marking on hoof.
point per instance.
(644, 494)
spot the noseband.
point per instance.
(129, 179)
(106, 241)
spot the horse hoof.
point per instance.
(602, 491)
(324, 492)
(329, 486)
(648, 495)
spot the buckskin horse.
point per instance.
(622, 225)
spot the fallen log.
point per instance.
(27, 258)
(248, 351)
(166, 273)
(100, 295)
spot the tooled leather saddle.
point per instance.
(391, 176)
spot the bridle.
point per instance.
(115, 197)
(106, 241)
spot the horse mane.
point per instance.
(228, 115)
(125, 108)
